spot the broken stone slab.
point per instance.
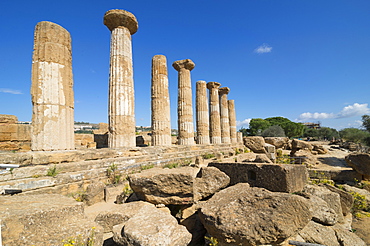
(151, 227)
(321, 212)
(329, 235)
(278, 142)
(244, 215)
(120, 214)
(177, 186)
(331, 198)
(255, 143)
(45, 219)
(359, 162)
(279, 178)
(95, 193)
(346, 199)
(300, 144)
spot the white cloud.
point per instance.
(349, 111)
(244, 123)
(11, 91)
(353, 110)
(264, 48)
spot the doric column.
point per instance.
(214, 116)
(161, 122)
(232, 120)
(202, 113)
(52, 89)
(185, 108)
(224, 114)
(239, 136)
(121, 115)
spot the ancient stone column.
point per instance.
(161, 122)
(202, 113)
(214, 116)
(121, 113)
(184, 106)
(232, 121)
(224, 114)
(52, 89)
(239, 136)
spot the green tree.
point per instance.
(293, 129)
(280, 121)
(354, 135)
(257, 126)
(328, 133)
(366, 122)
(274, 131)
(311, 133)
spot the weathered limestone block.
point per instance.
(346, 199)
(177, 186)
(122, 25)
(224, 115)
(232, 121)
(151, 227)
(278, 142)
(202, 113)
(279, 178)
(239, 137)
(331, 198)
(214, 114)
(321, 212)
(95, 193)
(45, 219)
(185, 103)
(161, 120)
(52, 89)
(82, 141)
(300, 144)
(255, 143)
(243, 215)
(8, 118)
(359, 162)
(319, 149)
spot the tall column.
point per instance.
(52, 89)
(232, 120)
(121, 116)
(202, 113)
(224, 114)
(214, 116)
(161, 122)
(185, 107)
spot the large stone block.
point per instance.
(279, 178)
(7, 118)
(45, 219)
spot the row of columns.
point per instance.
(53, 103)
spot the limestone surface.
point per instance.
(243, 215)
(52, 89)
(224, 115)
(161, 121)
(122, 25)
(185, 103)
(214, 115)
(202, 113)
(232, 121)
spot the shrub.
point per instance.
(52, 171)
(145, 167)
(113, 174)
(208, 156)
(274, 131)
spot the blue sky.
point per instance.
(306, 60)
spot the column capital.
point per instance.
(120, 18)
(223, 90)
(211, 85)
(187, 64)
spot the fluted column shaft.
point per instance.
(121, 83)
(214, 116)
(185, 104)
(239, 136)
(224, 114)
(52, 89)
(161, 122)
(202, 113)
(232, 121)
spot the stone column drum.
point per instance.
(224, 114)
(161, 121)
(214, 116)
(202, 113)
(185, 104)
(52, 89)
(121, 113)
(239, 136)
(232, 121)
